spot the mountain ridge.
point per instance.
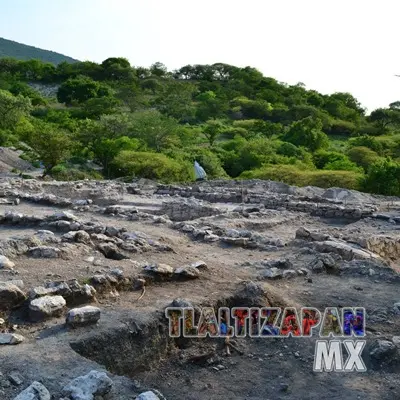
(11, 48)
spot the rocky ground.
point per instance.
(88, 268)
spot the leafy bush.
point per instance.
(151, 166)
(293, 176)
(343, 165)
(383, 178)
(324, 157)
(289, 150)
(342, 128)
(334, 161)
(241, 155)
(367, 141)
(62, 173)
(363, 156)
(308, 133)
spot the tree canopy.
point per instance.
(143, 121)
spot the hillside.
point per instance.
(9, 48)
(154, 123)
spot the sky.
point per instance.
(330, 46)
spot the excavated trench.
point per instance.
(140, 340)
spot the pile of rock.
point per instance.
(72, 291)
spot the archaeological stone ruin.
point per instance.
(88, 268)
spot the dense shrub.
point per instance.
(308, 133)
(367, 141)
(384, 178)
(62, 173)
(207, 159)
(324, 157)
(151, 166)
(289, 150)
(342, 128)
(293, 176)
(363, 156)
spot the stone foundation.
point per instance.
(189, 210)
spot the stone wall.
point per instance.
(188, 210)
(386, 246)
(318, 207)
(223, 196)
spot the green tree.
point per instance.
(25, 90)
(158, 69)
(385, 117)
(118, 69)
(308, 133)
(175, 99)
(81, 89)
(51, 144)
(212, 129)
(383, 178)
(12, 109)
(131, 96)
(242, 155)
(210, 106)
(157, 131)
(107, 149)
(267, 128)
(95, 107)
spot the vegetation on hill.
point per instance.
(9, 48)
(235, 122)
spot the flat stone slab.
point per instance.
(10, 338)
(345, 250)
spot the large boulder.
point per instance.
(10, 296)
(83, 316)
(95, 383)
(46, 307)
(36, 391)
